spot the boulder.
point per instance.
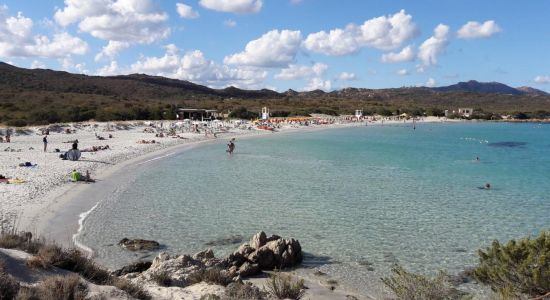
(248, 269)
(139, 244)
(137, 267)
(258, 240)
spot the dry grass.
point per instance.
(412, 286)
(212, 276)
(162, 278)
(130, 288)
(243, 291)
(283, 286)
(56, 288)
(51, 255)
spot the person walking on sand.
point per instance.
(45, 140)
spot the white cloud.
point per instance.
(475, 30)
(542, 79)
(318, 84)
(37, 65)
(429, 51)
(109, 70)
(233, 6)
(193, 66)
(403, 72)
(18, 40)
(68, 65)
(186, 11)
(431, 82)
(385, 32)
(294, 72)
(274, 49)
(112, 49)
(133, 21)
(345, 76)
(229, 23)
(407, 54)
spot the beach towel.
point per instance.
(16, 181)
(73, 155)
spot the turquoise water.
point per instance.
(358, 199)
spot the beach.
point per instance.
(51, 206)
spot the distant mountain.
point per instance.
(41, 96)
(532, 91)
(473, 86)
(128, 86)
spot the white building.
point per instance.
(465, 112)
(265, 113)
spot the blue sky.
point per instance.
(282, 44)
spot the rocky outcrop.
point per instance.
(138, 267)
(264, 253)
(138, 244)
(260, 253)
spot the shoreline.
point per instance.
(62, 212)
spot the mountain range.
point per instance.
(26, 93)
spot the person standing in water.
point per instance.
(231, 146)
(45, 140)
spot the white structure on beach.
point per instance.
(465, 112)
(265, 113)
(358, 113)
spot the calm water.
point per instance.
(358, 199)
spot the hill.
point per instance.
(481, 87)
(46, 96)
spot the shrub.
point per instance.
(522, 266)
(36, 262)
(210, 297)
(162, 278)
(243, 291)
(212, 276)
(133, 290)
(62, 288)
(17, 123)
(22, 241)
(412, 286)
(283, 286)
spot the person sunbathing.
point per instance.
(76, 176)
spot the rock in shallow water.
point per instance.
(138, 244)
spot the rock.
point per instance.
(139, 244)
(248, 269)
(258, 240)
(204, 255)
(137, 267)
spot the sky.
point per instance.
(285, 44)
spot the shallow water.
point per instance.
(358, 199)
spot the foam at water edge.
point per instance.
(81, 218)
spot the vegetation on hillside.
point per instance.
(29, 97)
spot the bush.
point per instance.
(412, 286)
(162, 278)
(17, 123)
(212, 276)
(243, 291)
(22, 241)
(522, 267)
(133, 290)
(243, 113)
(210, 297)
(282, 286)
(56, 288)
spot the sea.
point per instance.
(360, 200)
